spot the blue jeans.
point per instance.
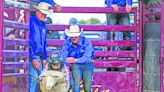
(84, 72)
(118, 19)
(34, 76)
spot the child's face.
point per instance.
(55, 66)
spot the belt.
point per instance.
(91, 61)
(41, 55)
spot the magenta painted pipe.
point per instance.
(140, 48)
(1, 41)
(161, 48)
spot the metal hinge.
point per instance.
(1, 58)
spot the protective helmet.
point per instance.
(73, 21)
(55, 58)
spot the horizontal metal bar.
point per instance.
(152, 21)
(14, 24)
(16, 41)
(17, 4)
(108, 53)
(66, 9)
(97, 43)
(114, 54)
(152, 13)
(15, 74)
(95, 27)
(114, 64)
(14, 53)
(15, 65)
(152, 6)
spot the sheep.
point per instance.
(53, 81)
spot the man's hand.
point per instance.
(128, 8)
(44, 62)
(36, 64)
(57, 7)
(11, 36)
(115, 7)
(70, 60)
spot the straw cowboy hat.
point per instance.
(73, 31)
(44, 8)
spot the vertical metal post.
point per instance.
(161, 47)
(1, 41)
(27, 18)
(140, 47)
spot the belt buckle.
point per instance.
(91, 61)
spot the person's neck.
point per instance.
(39, 20)
(75, 45)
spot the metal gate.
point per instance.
(106, 80)
(154, 14)
(14, 55)
(103, 81)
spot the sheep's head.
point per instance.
(51, 78)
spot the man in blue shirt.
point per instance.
(119, 19)
(78, 51)
(38, 44)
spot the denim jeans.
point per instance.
(118, 19)
(84, 72)
(34, 76)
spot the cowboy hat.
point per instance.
(43, 8)
(73, 31)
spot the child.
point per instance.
(55, 62)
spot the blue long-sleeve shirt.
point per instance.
(51, 2)
(122, 3)
(83, 53)
(38, 36)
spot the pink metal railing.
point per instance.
(128, 79)
(1, 42)
(119, 81)
(14, 66)
(162, 49)
(140, 47)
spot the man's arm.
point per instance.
(44, 62)
(31, 43)
(88, 54)
(129, 2)
(51, 2)
(45, 46)
(128, 6)
(108, 2)
(64, 51)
